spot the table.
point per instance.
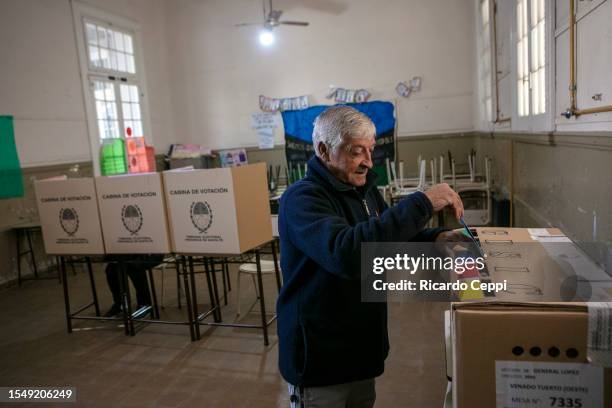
(185, 267)
(27, 230)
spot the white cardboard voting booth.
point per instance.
(218, 211)
(69, 218)
(133, 214)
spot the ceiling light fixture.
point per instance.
(266, 38)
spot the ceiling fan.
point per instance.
(272, 18)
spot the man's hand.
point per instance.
(441, 195)
(450, 242)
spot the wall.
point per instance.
(40, 77)
(560, 178)
(557, 180)
(221, 69)
(593, 59)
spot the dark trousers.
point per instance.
(138, 276)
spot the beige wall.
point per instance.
(593, 60)
(561, 181)
(221, 70)
(40, 76)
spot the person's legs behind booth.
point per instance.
(137, 272)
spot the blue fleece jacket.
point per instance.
(326, 334)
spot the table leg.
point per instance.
(211, 296)
(62, 266)
(153, 294)
(275, 260)
(192, 322)
(94, 293)
(194, 298)
(262, 304)
(178, 283)
(217, 313)
(223, 279)
(127, 300)
(18, 233)
(29, 237)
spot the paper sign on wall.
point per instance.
(264, 124)
(266, 138)
(263, 120)
(530, 384)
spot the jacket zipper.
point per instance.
(365, 205)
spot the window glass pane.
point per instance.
(118, 41)
(127, 41)
(138, 129)
(127, 111)
(109, 92)
(94, 56)
(113, 60)
(102, 40)
(90, 30)
(125, 92)
(135, 111)
(114, 49)
(110, 38)
(121, 63)
(133, 93)
(104, 59)
(130, 64)
(101, 109)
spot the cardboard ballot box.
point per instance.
(69, 218)
(522, 346)
(133, 214)
(218, 211)
(535, 265)
(516, 355)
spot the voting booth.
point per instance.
(218, 211)
(133, 214)
(69, 218)
(531, 345)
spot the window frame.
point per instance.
(543, 122)
(82, 14)
(486, 123)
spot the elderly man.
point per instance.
(332, 345)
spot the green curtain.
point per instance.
(11, 177)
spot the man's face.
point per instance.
(351, 160)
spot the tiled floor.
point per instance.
(161, 367)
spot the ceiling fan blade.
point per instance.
(295, 23)
(246, 24)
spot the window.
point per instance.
(112, 74)
(114, 81)
(485, 62)
(531, 58)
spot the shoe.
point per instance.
(113, 311)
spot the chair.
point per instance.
(267, 268)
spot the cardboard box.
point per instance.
(68, 213)
(133, 214)
(515, 355)
(537, 265)
(218, 211)
(511, 349)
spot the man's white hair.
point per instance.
(338, 123)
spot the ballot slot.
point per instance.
(494, 232)
(511, 269)
(499, 241)
(504, 254)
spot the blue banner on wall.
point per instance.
(299, 125)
